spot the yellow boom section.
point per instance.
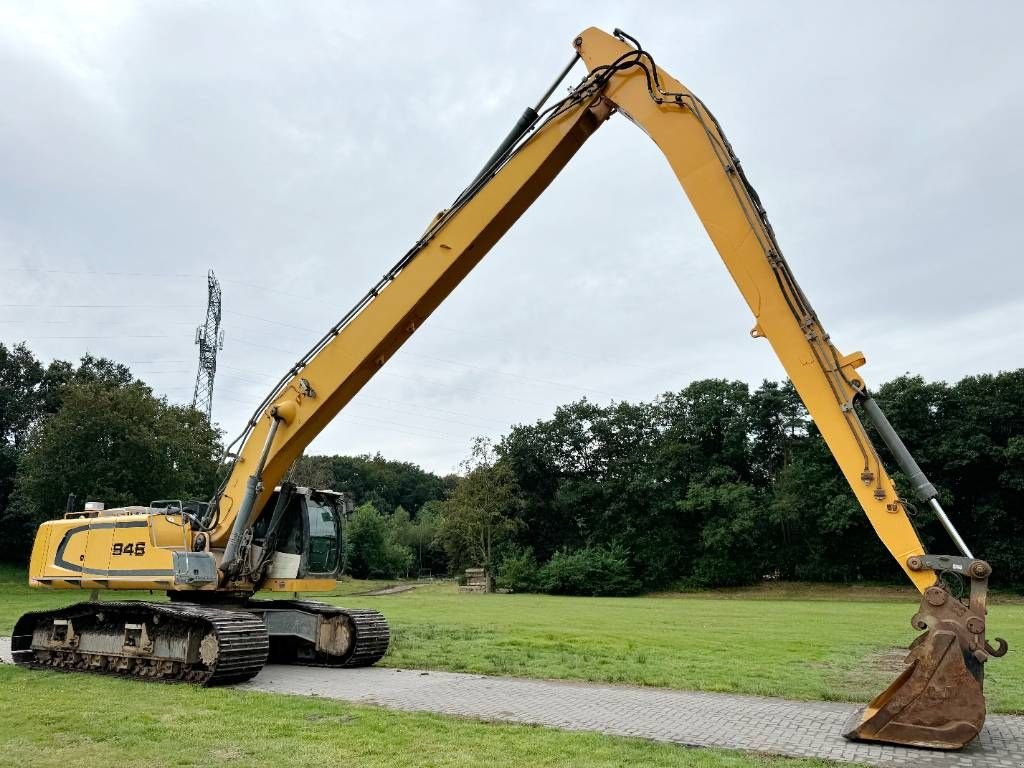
(710, 174)
(333, 376)
(627, 80)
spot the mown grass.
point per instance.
(804, 642)
(826, 644)
(51, 719)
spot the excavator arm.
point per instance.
(331, 374)
(623, 79)
(937, 701)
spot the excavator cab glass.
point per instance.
(324, 549)
(307, 539)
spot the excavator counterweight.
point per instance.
(258, 535)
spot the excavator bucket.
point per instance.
(937, 701)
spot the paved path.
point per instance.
(778, 726)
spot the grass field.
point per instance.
(787, 640)
(807, 643)
(53, 720)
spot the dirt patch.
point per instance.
(226, 754)
(394, 589)
(862, 677)
(330, 719)
(888, 661)
(796, 590)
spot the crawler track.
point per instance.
(188, 642)
(182, 642)
(368, 628)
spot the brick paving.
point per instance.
(777, 726)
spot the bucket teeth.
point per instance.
(937, 701)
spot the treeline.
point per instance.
(716, 484)
(382, 539)
(94, 430)
(713, 485)
(719, 485)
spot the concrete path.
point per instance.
(777, 726)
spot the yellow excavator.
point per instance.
(258, 533)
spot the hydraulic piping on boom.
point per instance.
(259, 533)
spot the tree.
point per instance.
(419, 534)
(366, 543)
(22, 400)
(371, 550)
(588, 477)
(385, 483)
(109, 440)
(777, 423)
(482, 511)
(22, 395)
(313, 472)
(400, 526)
(592, 571)
(728, 512)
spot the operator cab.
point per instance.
(307, 542)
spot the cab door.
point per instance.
(323, 541)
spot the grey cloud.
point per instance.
(299, 149)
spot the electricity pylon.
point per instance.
(210, 339)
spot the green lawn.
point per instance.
(809, 643)
(792, 641)
(55, 719)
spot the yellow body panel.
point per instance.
(299, 585)
(116, 552)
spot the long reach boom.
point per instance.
(938, 700)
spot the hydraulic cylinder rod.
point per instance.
(252, 489)
(523, 124)
(925, 490)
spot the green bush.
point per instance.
(371, 552)
(517, 571)
(589, 571)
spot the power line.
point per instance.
(486, 369)
(483, 368)
(151, 305)
(416, 408)
(419, 378)
(166, 373)
(563, 352)
(155, 275)
(371, 422)
(499, 372)
(564, 385)
(380, 425)
(405, 409)
(25, 321)
(108, 338)
(254, 345)
(272, 322)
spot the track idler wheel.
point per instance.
(938, 700)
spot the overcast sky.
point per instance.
(299, 149)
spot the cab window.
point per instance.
(323, 537)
